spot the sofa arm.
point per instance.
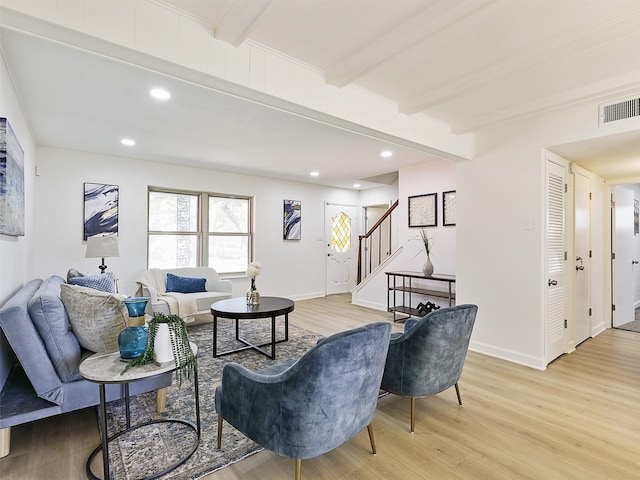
(150, 292)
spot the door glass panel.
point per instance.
(341, 232)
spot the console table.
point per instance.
(103, 368)
(402, 281)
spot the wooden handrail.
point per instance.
(369, 233)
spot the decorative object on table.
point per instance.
(168, 333)
(427, 241)
(253, 295)
(423, 210)
(449, 208)
(133, 340)
(292, 220)
(100, 209)
(425, 308)
(11, 182)
(102, 246)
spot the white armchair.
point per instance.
(153, 284)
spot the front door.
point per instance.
(341, 243)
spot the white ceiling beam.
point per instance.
(604, 91)
(580, 43)
(239, 20)
(428, 22)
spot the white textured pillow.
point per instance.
(96, 317)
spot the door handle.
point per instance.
(552, 282)
(635, 262)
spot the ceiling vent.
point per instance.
(620, 110)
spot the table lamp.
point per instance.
(101, 246)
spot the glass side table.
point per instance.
(105, 368)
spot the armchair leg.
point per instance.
(413, 414)
(298, 469)
(371, 439)
(219, 432)
(458, 394)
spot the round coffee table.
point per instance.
(237, 309)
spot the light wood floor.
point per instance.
(578, 419)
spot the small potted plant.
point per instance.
(172, 330)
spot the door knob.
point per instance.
(635, 262)
(553, 282)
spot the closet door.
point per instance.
(555, 261)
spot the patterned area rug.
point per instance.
(631, 326)
(148, 450)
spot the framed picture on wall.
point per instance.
(100, 209)
(292, 220)
(423, 210)
(449, 208)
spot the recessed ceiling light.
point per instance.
(128, 142)
(160, 94)
(314, 174)
(356, 185)
(386, 153)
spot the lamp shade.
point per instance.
(102, 246)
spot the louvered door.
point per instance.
(555, 248)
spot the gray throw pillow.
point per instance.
(96, 317)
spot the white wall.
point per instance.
(292, 268)
(499, 264)
(15, 267)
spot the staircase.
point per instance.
(375, 246)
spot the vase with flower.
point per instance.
(427, 241)
(253, 295)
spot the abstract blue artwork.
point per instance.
(11, 182)
(292, 220)
(100, 209)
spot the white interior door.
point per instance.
(582, 205)
(624, 249)
(341, 235)
(555, 251)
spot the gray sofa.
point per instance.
(45, 379)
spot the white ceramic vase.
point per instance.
(162, 345)
(427, 268)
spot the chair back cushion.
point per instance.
(428, 358)
(317, 403)
(28, 346)
(50, 318)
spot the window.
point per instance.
(188, 229)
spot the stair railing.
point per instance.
(375, 245)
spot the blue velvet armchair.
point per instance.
(308, 406)
(428, 357)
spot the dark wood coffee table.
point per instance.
(237, 309)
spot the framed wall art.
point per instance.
(449, 208)
(100, 209)
(11, 182)
(423, 210)
(292, 220)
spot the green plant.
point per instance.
(186, 361)
(427, 241)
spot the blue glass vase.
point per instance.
(133, 339)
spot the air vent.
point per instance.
(619, 110)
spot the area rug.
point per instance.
(147, 450)
(631, 326)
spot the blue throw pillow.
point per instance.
(179, 284)
(104, 282)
